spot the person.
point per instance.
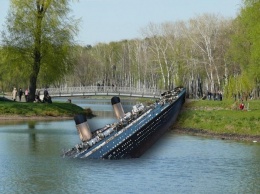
(220, 96)
(241, 106)
(214, 96)
(209, 95)
(113, 87)
(98, 86)
(46, 96)
(37, 96)
(20, 94)
(14, 93)
(45, 93)
(26, 93)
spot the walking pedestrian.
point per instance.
(26, 95)
(14, 94)
(20, 94)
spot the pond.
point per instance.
(31, 161)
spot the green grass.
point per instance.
(221, 117)
(55, 109)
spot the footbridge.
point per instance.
(103, 91)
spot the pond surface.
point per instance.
(31, 162)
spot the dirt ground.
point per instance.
(203, 133)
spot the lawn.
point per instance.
(221, 117)
(55, 109)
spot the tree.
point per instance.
(204, 31)
(85, 67)
(246, 44)
(38, 40)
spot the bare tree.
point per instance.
(204, 32)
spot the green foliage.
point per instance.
(245, 42)
(239, 84)
(37, 42)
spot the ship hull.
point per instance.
(135, 139)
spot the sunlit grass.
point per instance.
(39, 109)
(222, 117)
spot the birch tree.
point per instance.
(203, 31)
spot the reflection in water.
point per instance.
(104, 114)
(99, 104)
(32, 136)
(31, 154)
(31, 124)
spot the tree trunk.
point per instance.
(37, 55)
(32, 89)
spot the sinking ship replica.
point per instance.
(134, 132)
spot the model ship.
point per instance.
(133, 133)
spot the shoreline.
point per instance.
(203, 133)
(189, 131)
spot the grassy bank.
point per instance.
(221, 118)
(56, 109)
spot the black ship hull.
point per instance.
(138, 136)
(147, 135)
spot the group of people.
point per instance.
(20, 93)
(102, 87)
(46, 96)
(215, 96)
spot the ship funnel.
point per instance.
(83, 127)
(117, 106)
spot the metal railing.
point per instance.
(104, 91)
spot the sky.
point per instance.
(115, 20)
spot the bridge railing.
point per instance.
(103, 90)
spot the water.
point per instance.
(31, 162)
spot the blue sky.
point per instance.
(115, 20)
